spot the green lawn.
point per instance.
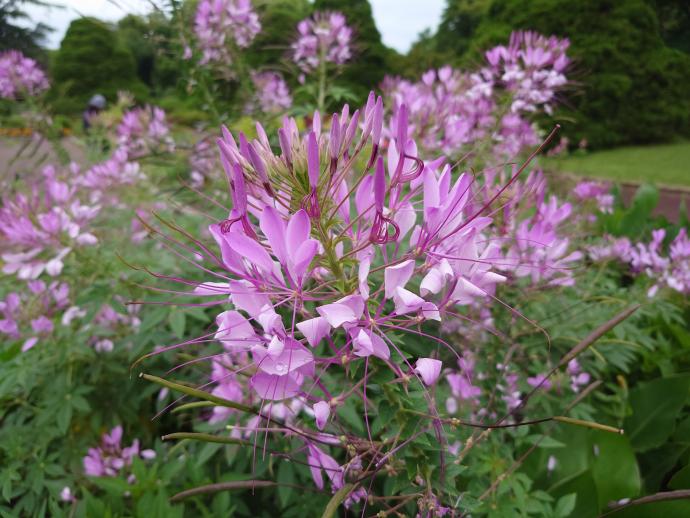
(667, 164)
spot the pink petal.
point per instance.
(346, 310)
(322, 411)
(429, 369)
(235, 332)
(250, 250)
(314, 330)
(276, 388)
(298, 230)
(273, 227)
(406, 301)
(302, 258)
(397, 276)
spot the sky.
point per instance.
(399, 21)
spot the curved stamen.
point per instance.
(380, 230)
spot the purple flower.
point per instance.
(218, 24)
(41, 226)
(20, 76)
(271, 93)
(109, 459)
(144, 131)
(322, 38)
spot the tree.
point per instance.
(91, 60)
(458, 25)
(134, 33)
(17, 36)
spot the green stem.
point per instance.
(321, 101)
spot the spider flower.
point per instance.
(144, 131)
(220, 23)
(455, 111)
(42, 226)
(20, 76)
(30, 313)
(322, 38)
(335, 241)
(271, 93)
(110, 458)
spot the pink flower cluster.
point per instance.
(102, 179)
(30, 313)
(535, 242)
(20, 76)
(109, 322)
(109, 458)
(323, 38)
(541, 249)
(666, 266)
(221, 23)
(144, 131)
(40, 227)
(447, 109)
(271, 93)
(530, 68)
(452, 110)
(203, 161)
(597, 191)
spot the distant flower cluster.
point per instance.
(41, 226)
(144, 131)
(531, 67)
(219, 23)
(110, 459)
(323, 38)
(271, 93)
(667, 266)
(20, 76)
(597, 191)
(451, 111)
(30, 314)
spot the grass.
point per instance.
(667, 164)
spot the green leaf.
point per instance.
(64, 416)
(614, 467)
(348, 413)
(178, 322)
(655, 406)
(565, 505)
(681, 480)
(112, 485)
(286, 475)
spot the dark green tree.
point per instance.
(14, 33)
(422, 56)
(458, 25)
(372, 57)
(92, 60)
(674, 22)
(135, 33)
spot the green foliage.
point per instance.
(459, 24)
(91, 60)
